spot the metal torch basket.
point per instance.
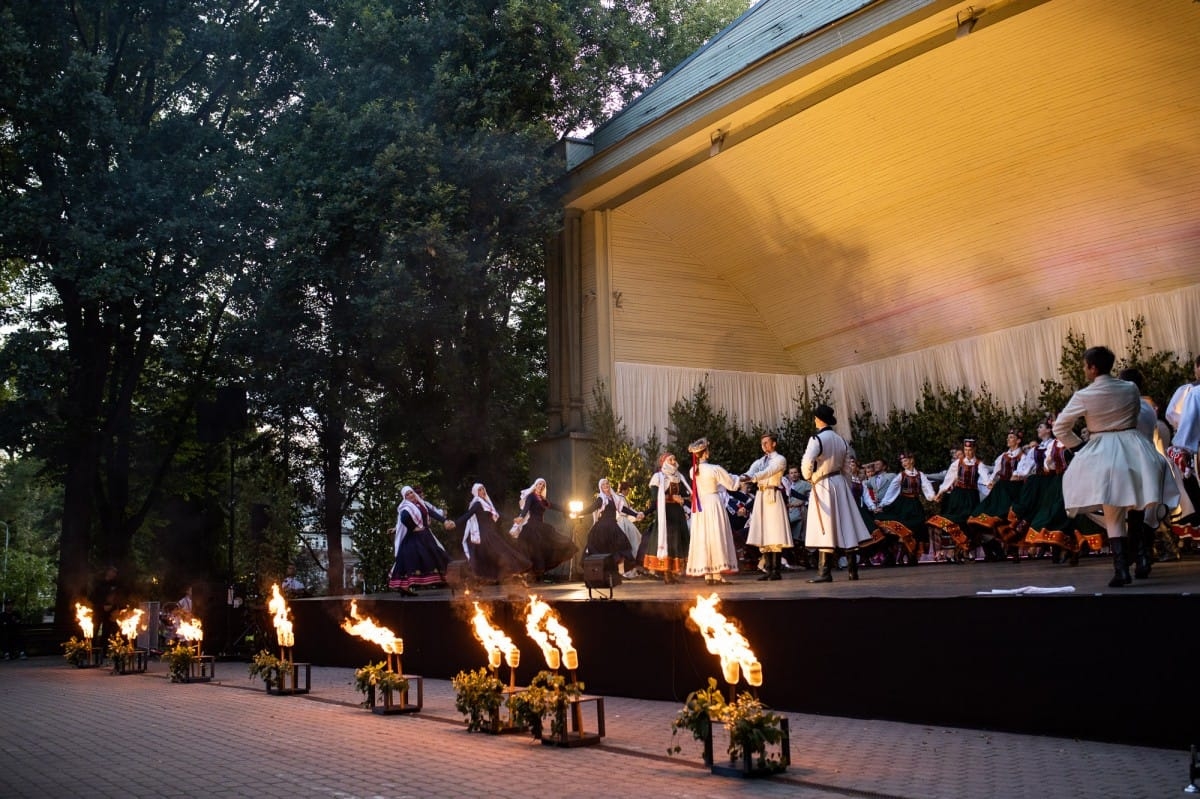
(574, 734)
(290, 677)
(390, 703)
(745, 767)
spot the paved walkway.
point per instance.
(85, 732)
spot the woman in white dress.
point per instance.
(711, 551)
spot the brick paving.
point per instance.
(85, 732)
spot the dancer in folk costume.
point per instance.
(1183, 414)
(1041, 515)
(966, 483)
(711, 551)
(493, 553)
(420, 558)
(606, 536)
(834, 520)
(1118, 469)
(545, 547)
(769, 527)
(900, 512)
(992, 521)
(666, 542)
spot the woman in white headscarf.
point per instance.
(606, 536)
(666, 544)
(493, 553)
(544, 545)
(420, 558)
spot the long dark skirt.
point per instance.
(607, 538)
(497, 556)
(678, 541)
(544, 546)
(420, 561)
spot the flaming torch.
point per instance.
(282, 619)
(129, 620)
(83, 615)
(367, 628)
(543, 626)
(496, 643)
(190, 630)
(722, 638)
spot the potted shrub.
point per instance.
(121, 650)
(752, 729)
(78, 652)
(701, 708)
(548, 693)
(379, 683)
(179, 658)
(268, 668)
(477, 695)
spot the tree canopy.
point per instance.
(339, 206)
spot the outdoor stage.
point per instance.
(919, 644)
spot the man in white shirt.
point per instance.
(769, 527)
(1118, 469)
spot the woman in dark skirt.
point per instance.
(961, 489)
(992, 520)
(420, 559)
(493, 553)
(901, 513)
(665, 546)
(545, 546)
(606, 536)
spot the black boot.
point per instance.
(1144, 538)
(1121, 576)
(852, 563)
(768, 558)
(776, 566)
(824, 567)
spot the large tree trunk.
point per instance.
(333, 441)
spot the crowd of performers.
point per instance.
(1126, 483)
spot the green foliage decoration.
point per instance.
(179, 658)
(77, 651)
(268, 668)
(377, 680)
(478, 695)
(548, 693)
(120, 651)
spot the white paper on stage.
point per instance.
(1029, 589)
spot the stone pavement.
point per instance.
(85, 732)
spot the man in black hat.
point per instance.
(834, 521)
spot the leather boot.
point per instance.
(774, 573)
(1144, 538)
(824, 567)
(1121, 576)
(768, 558)
(852, 563)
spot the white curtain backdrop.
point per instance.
(1012, 363)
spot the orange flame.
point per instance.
(282, 617)
(722, 638)
(190, 630)
(83, 614)
(130, 621)
(494, 641)
(367, 628)
(543, 626)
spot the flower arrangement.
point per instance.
(377, 680)
(477, 695)
(268, 668)
(751, 727)
(548, 693)
(121, 650)
(179, 658)
(77, 651)
(701, 708)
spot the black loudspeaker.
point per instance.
(600, 572)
